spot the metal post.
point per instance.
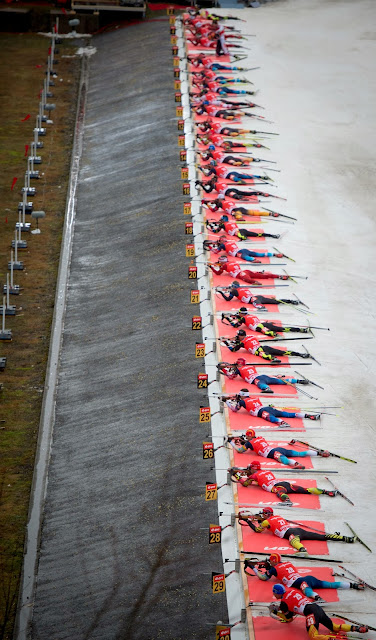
(24, 206)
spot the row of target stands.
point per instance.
(26, 207)
(247, 597)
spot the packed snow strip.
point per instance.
(334, 435)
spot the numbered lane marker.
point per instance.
(207, 450)
(218, 582)
(205, 414)
(210, 491)
(202, 381)
(195, 297)
(196, 323)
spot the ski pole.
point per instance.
(339, 492)
(334, 455)
(359, 539)
(356, 577)
(288, 304)
(311, 381)
(340, 615)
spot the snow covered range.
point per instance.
(323, 151)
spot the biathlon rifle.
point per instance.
(334, 455)
(293, 556)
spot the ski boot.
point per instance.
(297, 465)
(359, 586)
(318, 599)
(312, 416)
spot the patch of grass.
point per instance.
(20, 401)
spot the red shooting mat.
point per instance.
(244, 244)
(250, 203)
(260, 259)
(267, 628)
(256, 495)
(229, 331)
(261, 591)
(221, 60)
(222, 305)
(233, 386)
(268, 542)
(236, 185)
(228, 152)
(247, 221)
(241, 421)
(243, 459)
(224, 280)
(205, 116)
(231, 356)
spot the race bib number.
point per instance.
(186, 189)
(187, 208)
(177, 84)
(176, 62)
(188, 228)
(181, 141)
(223, 633)
(192, 273)
(173, 40)
(178, 96)
(184, 173)
(179, 113)
(170, 11)
(310, 620)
